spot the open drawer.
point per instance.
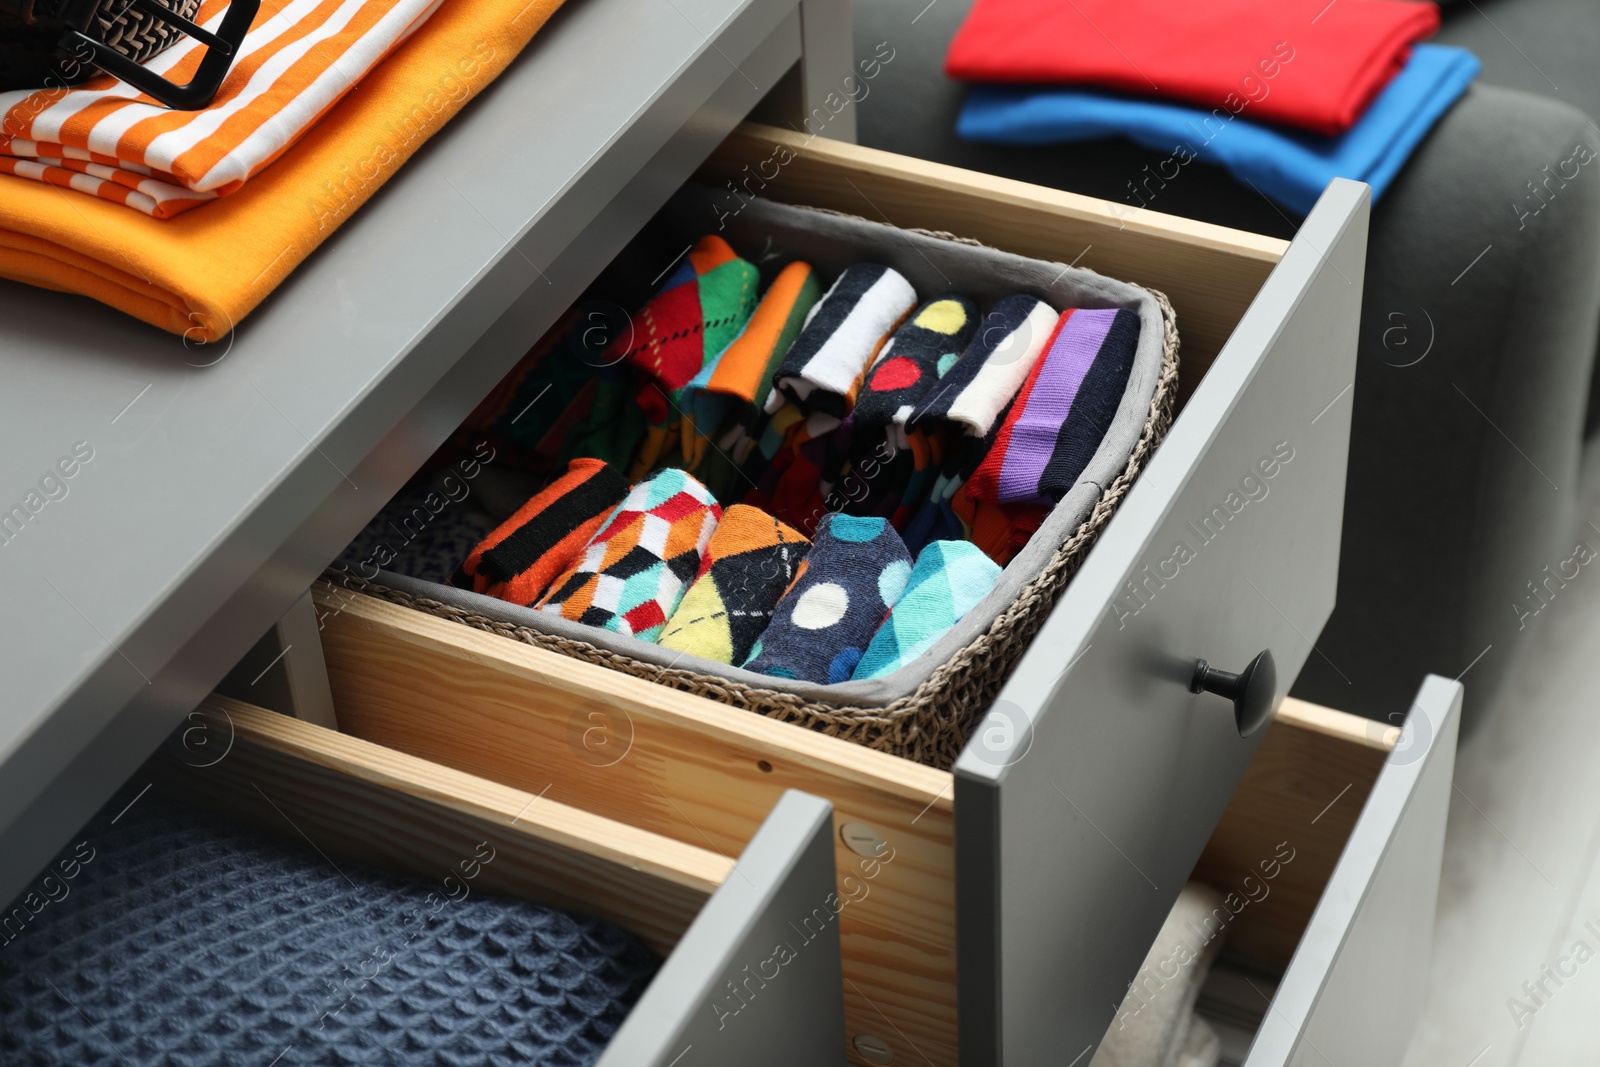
(1050, 855)
(716, 921)
(1330, 851)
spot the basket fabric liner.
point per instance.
(925, 710)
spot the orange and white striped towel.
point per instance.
(107, 139)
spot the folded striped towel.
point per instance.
(1063, 411)
(300, 56)
(841, 337)
(991, 370)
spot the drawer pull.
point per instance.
(1251, 690)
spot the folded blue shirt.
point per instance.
(1291, 167)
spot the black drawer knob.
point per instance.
(1251, 690)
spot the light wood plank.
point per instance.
(1304, 790)
(674, 764)
(354, 799)
(1210, 273)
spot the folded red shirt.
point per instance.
(1306, 63)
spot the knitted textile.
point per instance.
(634, 571)
(751, 559)
(733, 385)
(920, 352)
(1065, 408)
(519, 560)
(702, 307)
(823, 368)
(948, 579)
(421, 532)
(856, 570)
(183, 940)
(991, 370)
(1226, 55)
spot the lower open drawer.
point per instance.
(718, 922)
(696, 772)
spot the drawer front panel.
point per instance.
(1352, 993)
(1088, 792)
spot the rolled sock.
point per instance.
(633, 572)
(699, 310)
(949, 578)
(734, 384)
(519, 560)
(822, 369)
(1003, 530)
(918, 354)
(1098, 398)
(1066, 407)
(751, 559)
(994, 366)
(936, 520)
(856, 570)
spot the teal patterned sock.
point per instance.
(949, 578)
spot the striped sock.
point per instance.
(634, 570)
(856, 569)
(823, 368)
(991, 370)
(520, 559)
(1063, 412)
(750, 561)
(949, 578)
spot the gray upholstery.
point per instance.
(1450, 509)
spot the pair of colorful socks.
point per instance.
(526, 553)
(842, 335)
(751, 559)
(856, 570)
(1063, 412)
(948, 579)
(633, 572)
(917, 356)
(1004, 349)
(701, 308)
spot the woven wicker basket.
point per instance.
(932, 724)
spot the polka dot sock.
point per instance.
(520, 559)
(751, 560)
(856, 570)
(634, 571)
(949, 578)
(920, 352)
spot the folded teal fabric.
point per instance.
(948, 579)
(1289, 167)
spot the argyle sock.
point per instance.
(696, 313)
(1098, 396)
(856, 570)
(948, 579)
(822, 369)
(1055, 413)
(994, 366)
(519, 560)
(634, 570)
(749, 562)
(915, 357)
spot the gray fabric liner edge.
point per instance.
(831, 242)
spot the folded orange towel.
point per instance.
(201, 273)
(106, 139)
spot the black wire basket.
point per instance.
(54, 44)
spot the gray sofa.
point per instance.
(1465, 462)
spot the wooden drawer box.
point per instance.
(713, 918)
(1051, 854)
